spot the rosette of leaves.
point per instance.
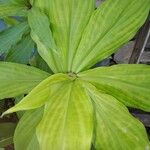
(78, 108)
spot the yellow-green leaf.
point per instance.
(42, 35)
(68, 20)
(115, 127)
(68, 120)
(17, 79)
(113, 24)
(40, 94)
(129, 84)
(25, 133)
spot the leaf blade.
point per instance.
(72, 17)
(25, 132)
(129, 84)
(122, 131)
(111, 25)
(22, 52)
(40, 94)
(17, 79)
(11, 36)
(76, 129)
(42, 35)
(12, 8)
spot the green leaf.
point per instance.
(10, 21)
(34, 144)
(25, 133)
(6, 133)
(43, 5)
(13, 8)
(17, 79)
(129, 84)
(37, 61)
(113, 24)
(42, 35)
(17, 100)
(67, 121)
(115, 128)
(12, 35)
(22, 52)
(40, 94)
(68, 20)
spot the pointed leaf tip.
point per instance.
(114, 125)
(113, 24)
(41, 93)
